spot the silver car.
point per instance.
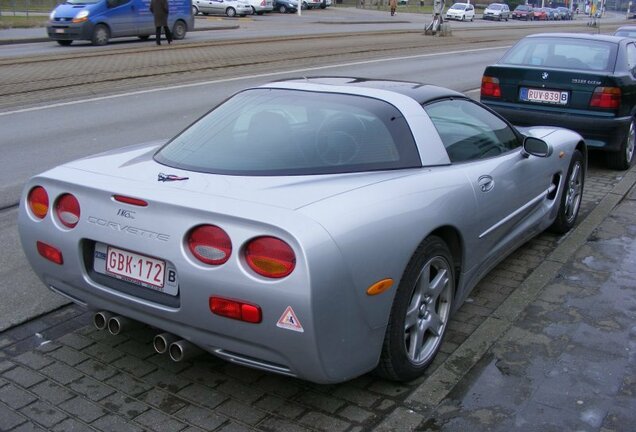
(319, 228)
(230, 8)
(497, 12)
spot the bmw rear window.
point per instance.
(291, 132)
(563, 53)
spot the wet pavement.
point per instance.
(545, 342)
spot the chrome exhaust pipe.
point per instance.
(118, 324)
(183, 350)
(162, 342)
(100, 319)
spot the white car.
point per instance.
(461, 12)
(227, 7)
(260, 6)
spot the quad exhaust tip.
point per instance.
(119, 324)
(162, 342)
(183, 350)
(100, 319)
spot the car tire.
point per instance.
(282, 9)
(420, 313)
(195, 10)
(231, 12)
(623, 158)
(253, 10)
(65, 42)
(101, 34)
(179, 30)
(571, 197)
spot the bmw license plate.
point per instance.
(59, 30)
(544, 96)
(136, 268)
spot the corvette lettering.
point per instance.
(115, 226)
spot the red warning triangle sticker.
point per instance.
(288, 320)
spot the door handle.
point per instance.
(486, 183)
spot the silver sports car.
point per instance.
(319, 228)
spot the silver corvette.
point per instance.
(319, 228)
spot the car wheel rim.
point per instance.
(428, 311)
(631, 138)
(573, 193)
(101, 36)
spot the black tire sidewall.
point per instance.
(561, 224)
(394, 362)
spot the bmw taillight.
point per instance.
(270, 257)
(490, 87)
(38, 201)
(67, 209)
(606, 97)
(236, 310)
(210, 244)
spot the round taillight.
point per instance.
(67, 209)
(210, 244)
(38, 201)
(270, 257)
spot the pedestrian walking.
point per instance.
(393, 6)
(160, 10)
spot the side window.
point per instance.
(631, 56)
(115, 3)
(470, 132)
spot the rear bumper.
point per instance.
(600, 131)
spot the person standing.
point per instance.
(393, 6)
(160, 10)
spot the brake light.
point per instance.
(129, 200)
(210, 244)
(67, 209)
(38, 201)
(606, 97)
(270, 257)
(236, 309)
(50, 253)
(490, 87)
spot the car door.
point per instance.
(511, 188)
(122, 17)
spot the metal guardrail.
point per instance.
(27, 7)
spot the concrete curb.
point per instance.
(441, 382)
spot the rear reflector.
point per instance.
(129, 200)
(67, 209)
(38, 201)
(210, 244)
(490, 87)
(236, 310)
(270, 257)
(50, 253)
(606, 97)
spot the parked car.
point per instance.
(311, 4)
(461, 12)
(318, 228)
(565, 13)
(541, 14)
(259, 7)
(582, 82)
(553, 14)
(99, 21)
(523, 12)
(627, 31)
(285, 6)
(497, 11)
(229, 8)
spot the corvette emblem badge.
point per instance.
(170, 177)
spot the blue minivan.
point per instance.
(100, 20)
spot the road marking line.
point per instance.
(246, 77)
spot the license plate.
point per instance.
(142, 270)
(59, 30)
(544, 96)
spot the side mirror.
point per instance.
(536, 147)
